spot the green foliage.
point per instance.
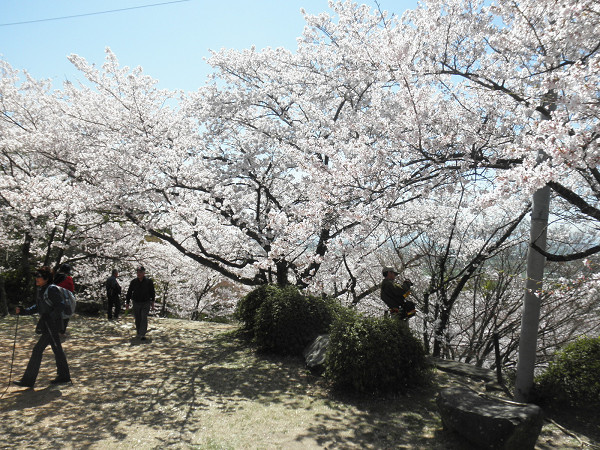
(247, 307)
(18, 290)
(374, 355)
(573, 377)
(287, 321)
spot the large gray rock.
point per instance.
(315, 354)
(490, 423)
(87, 308)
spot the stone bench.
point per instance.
(488, 422)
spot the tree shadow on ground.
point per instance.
(194, 384)
(408, 420)
(583, 421)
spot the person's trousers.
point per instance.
(140, 311)
(113, 302)
(48, 336)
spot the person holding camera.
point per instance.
(395, 295)
(49, 305)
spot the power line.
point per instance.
(92, 14)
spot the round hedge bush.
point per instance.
(573, 377)
(246, 308)
(287, 321)
(374, 355)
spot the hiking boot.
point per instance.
(22, 383)
(60, 380)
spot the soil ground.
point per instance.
(196, 385)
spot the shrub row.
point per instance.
(365, 354)
(283, 320)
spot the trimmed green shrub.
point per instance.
(573, 377)
(246, 308)
(287, 321)
(374, 355)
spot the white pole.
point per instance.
(531, 306)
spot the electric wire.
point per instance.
(92, 14)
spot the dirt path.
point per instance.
(193, 385)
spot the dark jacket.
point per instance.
(140, 291)
(49, 304)
(392, 294)
(113, 288)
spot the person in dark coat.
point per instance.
(141, 292)
(394, 295)
(113, 294)
(49, 305)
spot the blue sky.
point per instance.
(168, 39)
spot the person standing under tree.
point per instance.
(49, 305)
(141, 291)
(64, 279)
(394, 295)
(113, 294)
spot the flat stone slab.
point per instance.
(490, 423)
(459, 368)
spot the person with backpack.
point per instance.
(50, 305)
(141, 291)
(113, 293)
(64, 279)
(394, 295)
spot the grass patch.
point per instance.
(198, 385)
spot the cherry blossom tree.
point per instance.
(317, 166)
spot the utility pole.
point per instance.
(531, 306)
(530, 320)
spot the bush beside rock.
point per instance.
(573, 377)
(374, 355)
(283, 320)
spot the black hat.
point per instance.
(65, 268)
(140, 269)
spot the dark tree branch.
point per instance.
(564, 258)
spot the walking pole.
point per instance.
(13, 357)
(13, 353)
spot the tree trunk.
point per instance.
(28, 290)
(426, 322)
(163, 308)
(282, 273)
(439, 338)
(531, 306)
(3, 300)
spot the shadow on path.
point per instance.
(193, 384)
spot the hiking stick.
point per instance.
(13, 357)
(13, 352)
